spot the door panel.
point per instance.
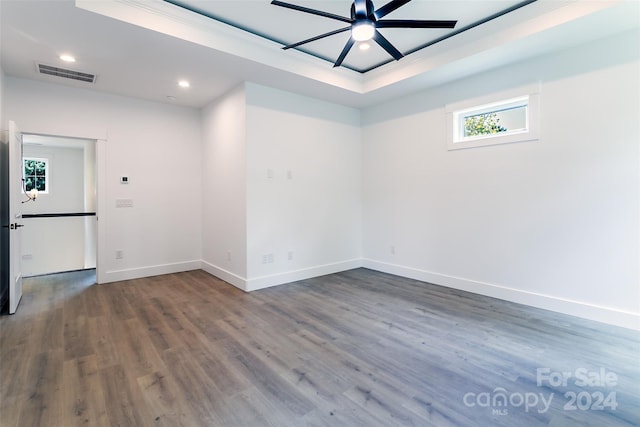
(15, 217)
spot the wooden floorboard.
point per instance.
(358, 348)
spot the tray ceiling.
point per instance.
(286, 26)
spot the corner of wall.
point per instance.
(223, 244)
(227, 276)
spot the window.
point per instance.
(36, 174)
(499, 119)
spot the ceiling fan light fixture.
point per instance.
(364, 23)
(363, 31)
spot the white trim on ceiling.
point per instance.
(523, 33)
(175, 21)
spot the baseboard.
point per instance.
(594, 312)
(302, 274)
(155, 270)
(227, 276)
(262, 282)
(602, 314)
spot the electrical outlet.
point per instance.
(228, 255)
(392, 249)
(119, 254)
(290, 255)
(267, 258)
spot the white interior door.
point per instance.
(15, 217)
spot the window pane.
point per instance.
(40, 184)
(482, 124)
(40, 168)
(29, 168)
(28, 184)
(513, 118)
(492, 122)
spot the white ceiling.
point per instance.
(141, 48)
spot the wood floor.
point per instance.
(358, 348)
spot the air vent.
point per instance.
(67, 74)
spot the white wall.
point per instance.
(224, 227)
(66, 180)
(282, 179)
(90, 204)
(3, 121)
(156, 145)
(553, 223)
(304, 209)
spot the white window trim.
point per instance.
(47, 173)
(512, 97)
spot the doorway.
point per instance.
(60, 223)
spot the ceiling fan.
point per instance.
(364, 24)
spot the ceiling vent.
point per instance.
(67, 74)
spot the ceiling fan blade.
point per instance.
(311, 11)
(386, 45)
(390, 7)
(343, 54)
(312, 39)
(408, 23)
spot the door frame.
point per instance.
(100, 171)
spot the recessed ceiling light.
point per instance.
(67, 58)
(364, 46)
(184, 83)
